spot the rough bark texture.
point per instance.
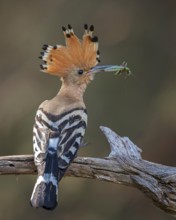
(124, 165)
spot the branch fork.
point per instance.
(124, 165)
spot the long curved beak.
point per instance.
(112, 68)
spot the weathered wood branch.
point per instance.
(124, 166)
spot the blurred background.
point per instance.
(142, 107)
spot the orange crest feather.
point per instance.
(81, 54)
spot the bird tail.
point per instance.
(46, 187)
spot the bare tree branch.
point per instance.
(124, 166)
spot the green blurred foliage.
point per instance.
(142, 107)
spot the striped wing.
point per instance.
(58, 134)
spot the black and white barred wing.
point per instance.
(70, 139)
(61, 133)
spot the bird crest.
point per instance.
(82, 54)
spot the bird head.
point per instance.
(75, 63)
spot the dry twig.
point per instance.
(124, 166)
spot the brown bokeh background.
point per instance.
(142, 107)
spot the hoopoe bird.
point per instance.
(60, 123)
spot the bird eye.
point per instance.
(80, 72)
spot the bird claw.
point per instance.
(84, 143)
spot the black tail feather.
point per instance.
(46, 188)
(45, 196)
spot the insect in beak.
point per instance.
(118, 69)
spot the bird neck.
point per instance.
(73, 91)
